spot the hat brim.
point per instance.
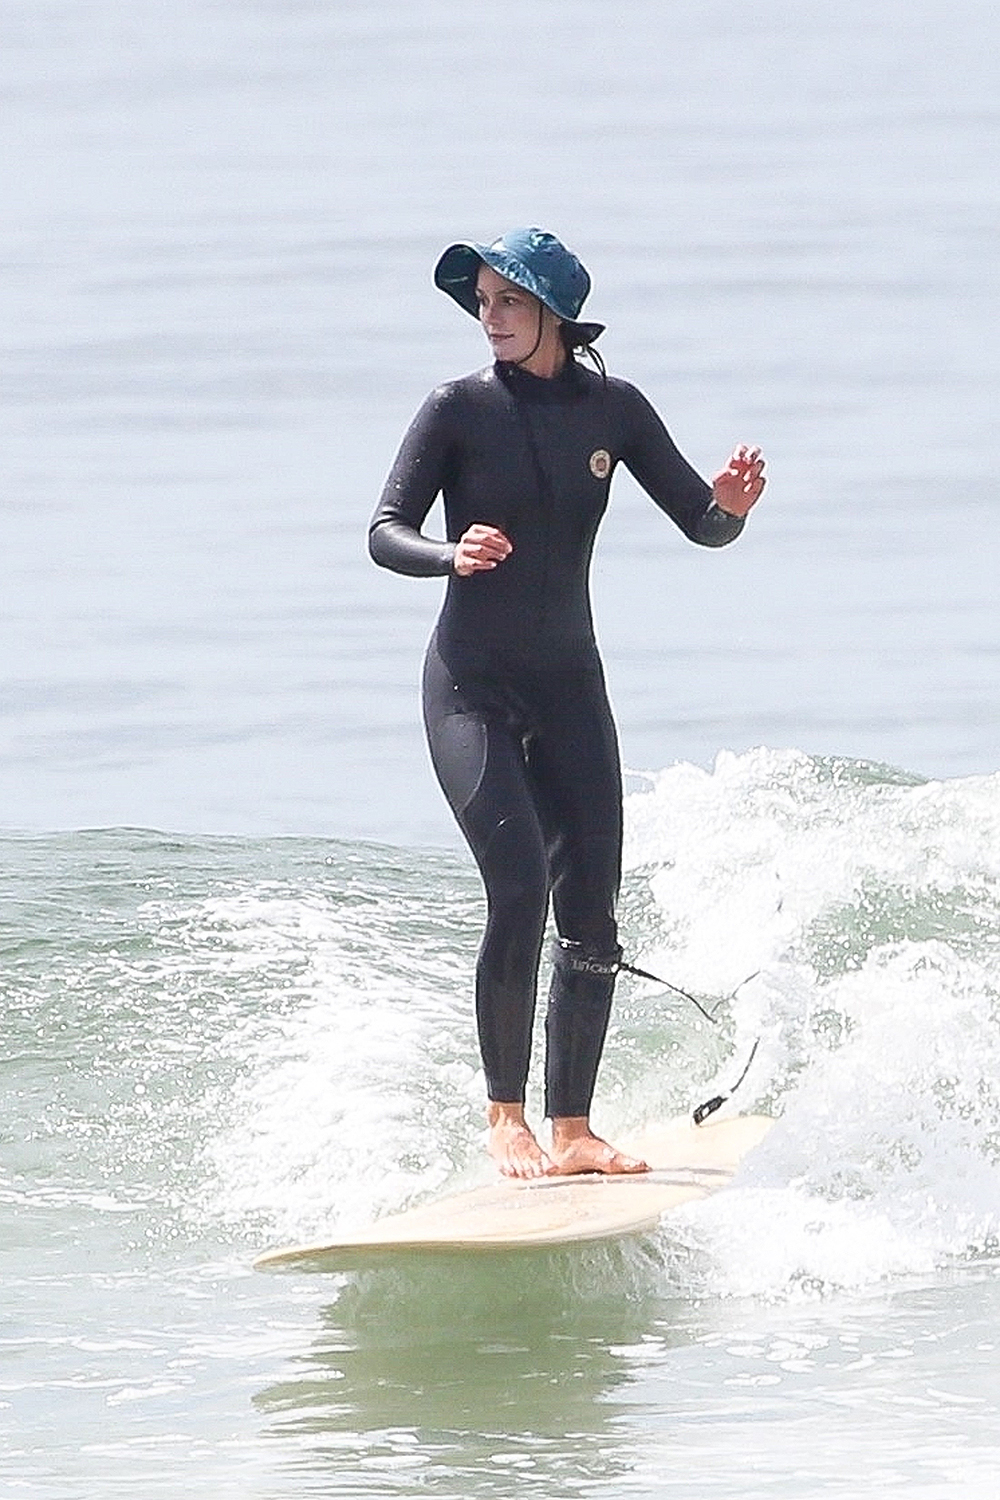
(458, 269)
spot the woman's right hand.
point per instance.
(480, 548)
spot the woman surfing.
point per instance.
(518, 722)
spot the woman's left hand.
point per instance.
(737, 487)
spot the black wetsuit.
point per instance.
(517, 717)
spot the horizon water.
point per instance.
(237, 927)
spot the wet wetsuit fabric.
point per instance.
(517, 717)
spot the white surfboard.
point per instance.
(688, 1161)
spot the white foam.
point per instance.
(875, 1002)
(863, 905)
(333, 1124)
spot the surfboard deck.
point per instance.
(688, 1162)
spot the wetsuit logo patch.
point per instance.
(600, 463)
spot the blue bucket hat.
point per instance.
(532, 259)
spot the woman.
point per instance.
(517, 717)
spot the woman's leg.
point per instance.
(479, 761)
(575, 770)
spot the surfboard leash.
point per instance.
(709, 1107)
(701, 1114)
(676, 990)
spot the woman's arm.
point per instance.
(711, 515)
(394, 537)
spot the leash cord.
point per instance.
(709, 1107)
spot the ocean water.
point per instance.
(236, 926)
(216, 1044)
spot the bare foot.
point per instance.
(575, 1148)
(512, 1144)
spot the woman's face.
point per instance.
(513, 320)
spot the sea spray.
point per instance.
(267, 1038)
(875, 998)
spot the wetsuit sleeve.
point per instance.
(652, 457)
(394, 537)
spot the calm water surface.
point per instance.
(219, 225)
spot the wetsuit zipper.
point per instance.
(546, 496)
